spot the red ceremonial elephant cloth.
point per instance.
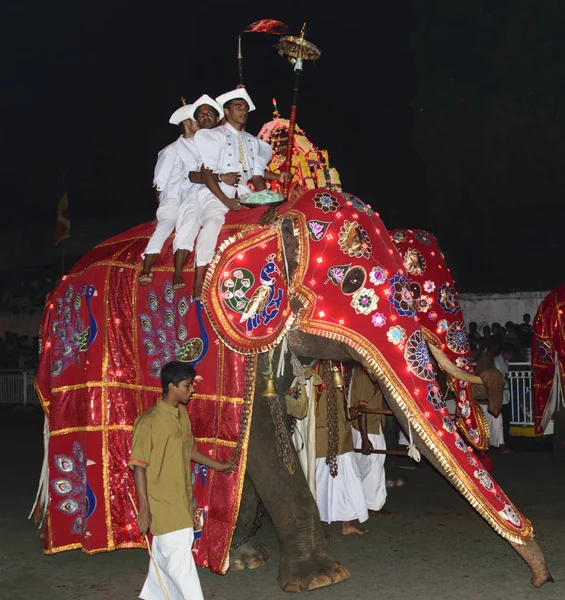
(548, 350)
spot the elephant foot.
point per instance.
(538, 580)
(310, 574)
(248, 556)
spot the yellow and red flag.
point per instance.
(63, 230)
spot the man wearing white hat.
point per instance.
(222, 150)
(172, 178)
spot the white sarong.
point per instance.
(495, 427)
(372, 469)
(340, 498)
(173, 554)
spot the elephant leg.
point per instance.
(305, 562)
(246, 552)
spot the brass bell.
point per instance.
(337, 378)
(269, 388)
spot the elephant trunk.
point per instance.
(534, 558)
(450, 368)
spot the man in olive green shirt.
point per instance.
(162, 448)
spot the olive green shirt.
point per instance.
(162, 444)
(369, 395)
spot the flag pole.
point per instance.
(62, 258)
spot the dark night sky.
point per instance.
(88, 89)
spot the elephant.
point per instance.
(548, 365)
(320, 277)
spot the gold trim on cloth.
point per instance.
(79, 546)
(234, 340)
(90, 428)
(405, 402)
(217, 442)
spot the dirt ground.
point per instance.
(435, 546)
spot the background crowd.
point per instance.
(517, 335)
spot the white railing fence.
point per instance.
(521, 394)
(16, 387)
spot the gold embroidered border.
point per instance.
(405, 402)
(90, 428)
(105, 469)
(123, 265)
(217, 442)
(240, 343)
(78, 546)
(242, 467)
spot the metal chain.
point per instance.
(332, 418)
(249, 386)
(284, 443)
(256, 525)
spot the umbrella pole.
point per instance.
(291, 124)
(239, 60)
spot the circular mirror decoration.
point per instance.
(418, 358)
(353, 280)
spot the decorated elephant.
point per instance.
(548, 365)
(323, 279)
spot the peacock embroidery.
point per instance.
(263, 305)
(73, 496)
(165, 335)
(72, 336)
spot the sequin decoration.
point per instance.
(423, 237)
(448, 425)
(378, 320)
(378, 275)
(484, 478)
(456, 338)
(429, 286)
(399, 237)
(462, 362)
(358, 204)
(511, 515)
(396, 335)
(434, 396)
(401, 296)
(364, 301)
(418, 358)
(354, 241)
(447, 299)
(326, 202)
(423, 303)
(545, 353)
(414, 262)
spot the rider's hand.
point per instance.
(233, 204)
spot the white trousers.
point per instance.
(173, 554)
(201, 210)
(340, 498)
(495, 427)
(372, 470)
(166, 220)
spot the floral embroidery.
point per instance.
(326, 202)
(336, 273)
(418, 358)
(398, 237)
(442, 326)
(401, 296)
(447, 298)
(447, 424)
(414, 262)
(484, 478)
(432, 316)
(456, 338)
(354, 241)
(422, 236)
(378, 275)
(429, 286)
(378, 320)
(462, 362)
(423, 304)
(317, 229)
(434, 396)
(396, 335)
(364, 301)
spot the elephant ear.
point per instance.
(246, 292)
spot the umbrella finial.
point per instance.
(303, 30)
(183, 100)
(276, 113)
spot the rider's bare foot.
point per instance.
(178, 283)
(145, 278)
(348, 528)
(197, 291)
(383, 512)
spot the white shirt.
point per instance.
(219, 151)
(166, 160)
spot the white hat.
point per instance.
(237, 93)
(205, 99)
(182, 114)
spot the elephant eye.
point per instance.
(416, 290)
(353, 280)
